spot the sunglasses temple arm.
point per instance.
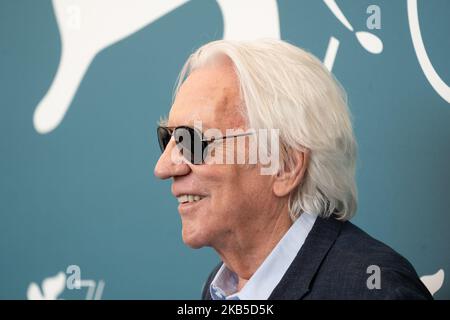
(233, 136)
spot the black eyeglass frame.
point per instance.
(204, 141)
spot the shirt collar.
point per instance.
(270, 272)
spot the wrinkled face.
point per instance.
(234, 198)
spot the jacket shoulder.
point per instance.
(360, 267)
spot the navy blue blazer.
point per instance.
(333, 264)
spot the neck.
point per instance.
(243, 252)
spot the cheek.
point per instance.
(240, 190)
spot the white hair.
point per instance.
(287, 88)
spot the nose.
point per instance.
(171, 163)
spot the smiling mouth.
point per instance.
(189, 198)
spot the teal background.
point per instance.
(85, 193)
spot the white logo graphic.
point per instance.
(53, 287)
(368, 41)
(433, 282)
(436, 82)
(89, 26)
(85, 30)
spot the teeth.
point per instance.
(189, 198)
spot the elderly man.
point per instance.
(283, 234)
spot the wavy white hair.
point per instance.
(287, 88)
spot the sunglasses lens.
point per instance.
(163, 137)
(189, 141)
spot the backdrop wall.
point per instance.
(83, 83)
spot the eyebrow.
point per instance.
(164, 122)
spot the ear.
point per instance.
(292, 174)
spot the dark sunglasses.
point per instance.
(190, 141)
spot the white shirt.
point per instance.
(270, 272)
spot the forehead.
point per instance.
(210, 94)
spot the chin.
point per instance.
(193, 239)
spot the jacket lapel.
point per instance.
(296, 282)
